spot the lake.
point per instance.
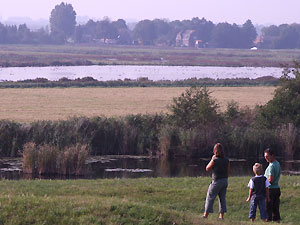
(155, 73)
(137, 166)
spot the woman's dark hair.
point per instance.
(269, 151)
(219, 150)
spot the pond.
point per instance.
(104, 73)
(136, 167)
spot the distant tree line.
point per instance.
(63, 29)
(284, 36)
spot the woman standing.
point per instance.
(219, 165)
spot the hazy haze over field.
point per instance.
(232, 11)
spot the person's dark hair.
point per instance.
(219, 150)
(269, 151)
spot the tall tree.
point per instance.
(289, 38)
(203, 29)
(284, 108)
(62, 21)
(145, 31)
(226, 35)
(249, 34)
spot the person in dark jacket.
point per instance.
(220, 166)
(258, 193)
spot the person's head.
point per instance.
(257, 169)
(219, 150)
(269, 155)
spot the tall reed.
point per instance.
(46, 159)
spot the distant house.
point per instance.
(108, 41)
(199, 44)
(186, 38)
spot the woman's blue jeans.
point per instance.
(216, 188)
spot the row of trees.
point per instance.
(281, 37)
(63, 29)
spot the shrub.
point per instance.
(195, 107)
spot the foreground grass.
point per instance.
(131, 201)
(27, 105)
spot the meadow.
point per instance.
(132, 201)
(27, 105)
(48, 55)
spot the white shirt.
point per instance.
(251, 184)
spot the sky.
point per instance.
(232, 11)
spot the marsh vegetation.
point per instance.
(75, 55)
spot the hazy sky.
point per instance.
(231, 11)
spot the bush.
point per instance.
(195, 107)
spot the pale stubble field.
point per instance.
(27, 105)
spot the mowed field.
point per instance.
(27, 105)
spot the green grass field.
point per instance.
(132, 201)
(45, 55)
(26, 105)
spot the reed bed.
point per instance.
(46, 159)
(144, 135)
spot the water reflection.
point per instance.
(136, 167)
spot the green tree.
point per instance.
(194, 108)
(249, 34)
(203, 29)
(145, 31)
(120, 24)
(105, 30)
(62, 22)
(289, 38)
(284, 108)
(225, 35)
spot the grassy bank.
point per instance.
(27, 105)
(131, 201)
(47, 55)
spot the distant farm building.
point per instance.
(186, 38)
(199, 44)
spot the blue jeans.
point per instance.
(217, 187)
(261, 202)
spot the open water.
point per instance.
(136, 167)
(155, 73)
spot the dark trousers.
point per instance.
(273, 205)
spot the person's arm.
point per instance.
(228, 169)
(210, 164)
(249, 196)
(271, 179)
(271, 174)
(268, 194)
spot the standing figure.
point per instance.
(258, 193)
(272, 173)
(219, 165)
